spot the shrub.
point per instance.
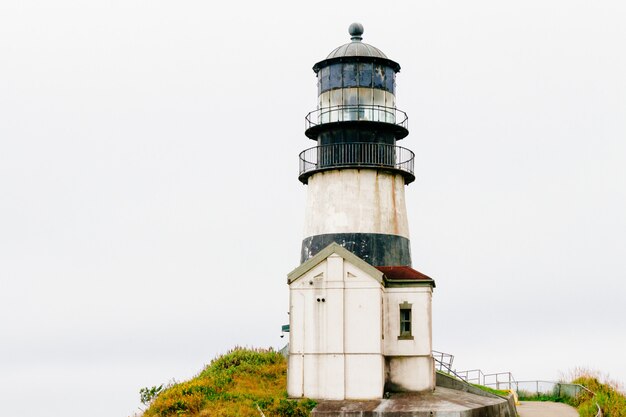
(607, 395)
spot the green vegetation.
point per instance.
(248, 382)
(607, 395)
(500, 392)
(553, 396)
(612, 402)
(237, 384)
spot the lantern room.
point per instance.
(356, 123)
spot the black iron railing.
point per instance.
(361, 112)
(350, 155)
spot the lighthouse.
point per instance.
(356, 173)
(359, 314)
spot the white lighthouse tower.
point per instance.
(360, 315)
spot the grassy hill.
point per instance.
(248, 382)
(609, 398)
(237, 384)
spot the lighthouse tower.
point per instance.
(356, 173)
(359, 314)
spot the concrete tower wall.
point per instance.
(358, 208)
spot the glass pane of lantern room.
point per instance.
(390, 111)
(324, 104)
(379, 105)
(319, 84)
(366, 100)
(349, 74)
(390, 76)
(335, 76)
(390, 99)
(379, 76)
(365, 74)
(324, 75)
(350, 103)
(336, 103)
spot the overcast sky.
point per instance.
(150, 208)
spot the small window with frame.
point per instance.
(406, 313)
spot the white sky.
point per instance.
(150, 208)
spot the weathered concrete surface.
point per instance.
(545, 409)
(356, 201)
(446, 381)
(443, 402)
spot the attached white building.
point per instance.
(357, 331)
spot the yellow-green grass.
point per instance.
(609, 398)
(236, 384)
(500, 392)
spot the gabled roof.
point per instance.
(341, 251)
(388, 276)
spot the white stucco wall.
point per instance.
(365, 376)
(324, 376)
(420, 298)
(335, 349)
(410, 363)
(346, 345)
(356, 201)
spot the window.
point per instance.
(365, 74)
(405, 321)
(349, 75)
(379, 76)
(324, 81)
(390, 80)
(335, 76)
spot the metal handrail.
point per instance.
(359, 112)
(510, 380)
(593, 394)
(443, 358)
(357, 154)
(444, 367)
(478, 379)
(463, 376)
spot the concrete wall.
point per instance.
(507, 409)
(410, 373)
(356, 201)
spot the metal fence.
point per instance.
(443, 360)
(506, 381)
(473, 376)
(360, 112)
(538, 387)
(357, 155)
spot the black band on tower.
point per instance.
(375, 248)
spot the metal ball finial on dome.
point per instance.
(356, 30)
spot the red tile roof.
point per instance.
(402, 273)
